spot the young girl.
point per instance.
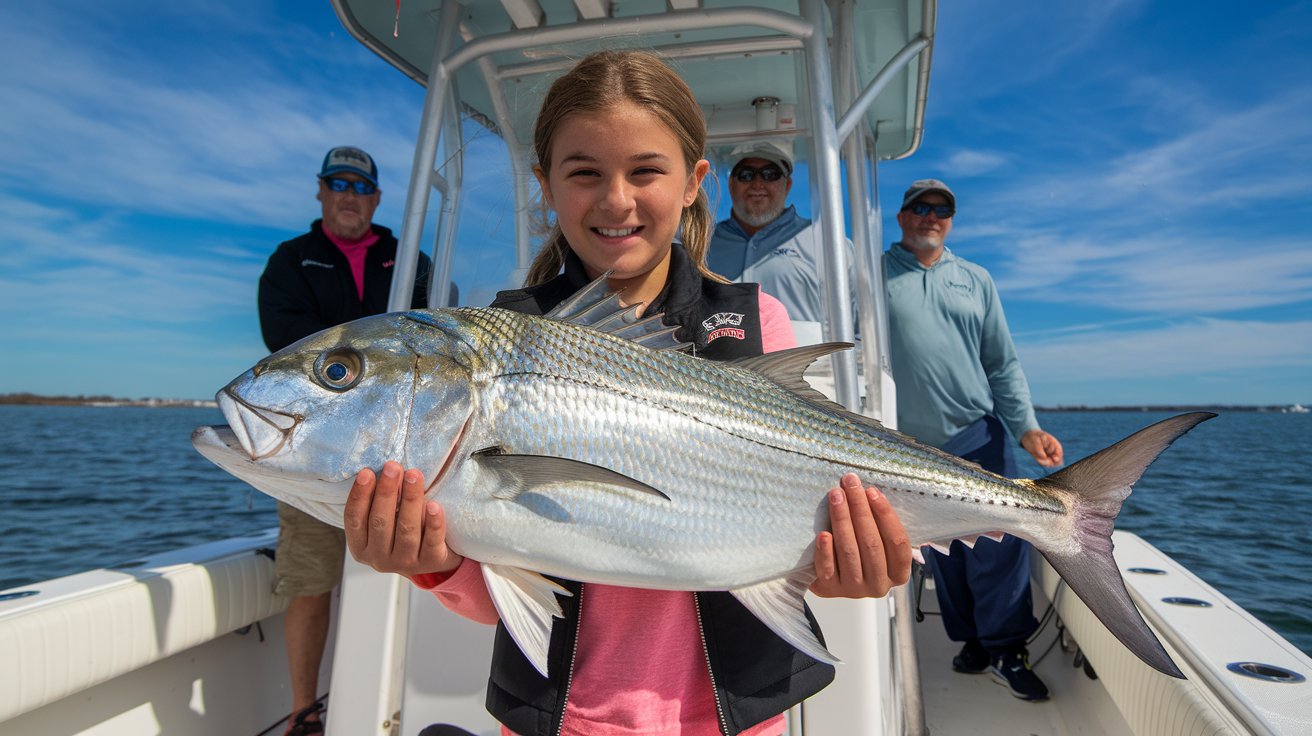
(619, 141)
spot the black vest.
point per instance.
(307, 286)
(757, 675)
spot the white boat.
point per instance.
(189, 642)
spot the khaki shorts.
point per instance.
(310, 554)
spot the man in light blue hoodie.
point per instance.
(960, 388)
(765, 240)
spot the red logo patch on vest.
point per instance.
(733, 332)
(724, 324)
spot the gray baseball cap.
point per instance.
(922, 186)
(776, 152)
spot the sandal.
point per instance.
(302, 727)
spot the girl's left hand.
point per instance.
(867, 552)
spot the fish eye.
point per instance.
(339, 369)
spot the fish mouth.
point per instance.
(262, 432)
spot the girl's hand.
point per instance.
(391, 528)
(867, 552)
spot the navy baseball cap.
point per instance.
(349, 159)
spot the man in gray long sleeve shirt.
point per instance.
(959, 383)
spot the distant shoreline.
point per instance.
(37, 400)
(1271, 408)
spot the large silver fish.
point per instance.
(586, 453)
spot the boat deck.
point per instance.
(975, 705)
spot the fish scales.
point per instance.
(625, 388)
(556, 448)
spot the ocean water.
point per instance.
(1231, 500)
(84, 487)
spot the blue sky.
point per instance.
(1135, 175)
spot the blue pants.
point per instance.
(984, 593)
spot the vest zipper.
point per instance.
(715, 690)
(573, 655)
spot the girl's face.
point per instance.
(618, 185)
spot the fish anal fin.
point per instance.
(944, 546)
(973, 539)
(780, 605)
(527, 605)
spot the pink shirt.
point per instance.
(625, 685)
(355, 252)
(776, 327)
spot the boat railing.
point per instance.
(831, 140)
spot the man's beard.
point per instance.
(923, 242)
(758, 219)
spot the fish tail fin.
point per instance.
(1098, 485)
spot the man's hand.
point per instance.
(392, 528)
(867, 552)
(1044, 447)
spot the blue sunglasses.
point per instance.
(362, 188)
(941, 211)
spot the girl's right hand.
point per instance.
(392, 528)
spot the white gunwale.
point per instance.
(190, 642)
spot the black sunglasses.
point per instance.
(362, 188)
(941, 211)
(747, 174)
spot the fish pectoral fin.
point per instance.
(780, 605)
(522, 473)
(526, 603)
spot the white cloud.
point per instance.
(1183, 350)
(1207, 221)
(218, 132)
(1172, 273)
(973, 163)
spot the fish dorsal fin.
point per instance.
(785, 367)
(521, 473)
(596, 306)
(779, 604)
(589, 296)
(526, 603)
